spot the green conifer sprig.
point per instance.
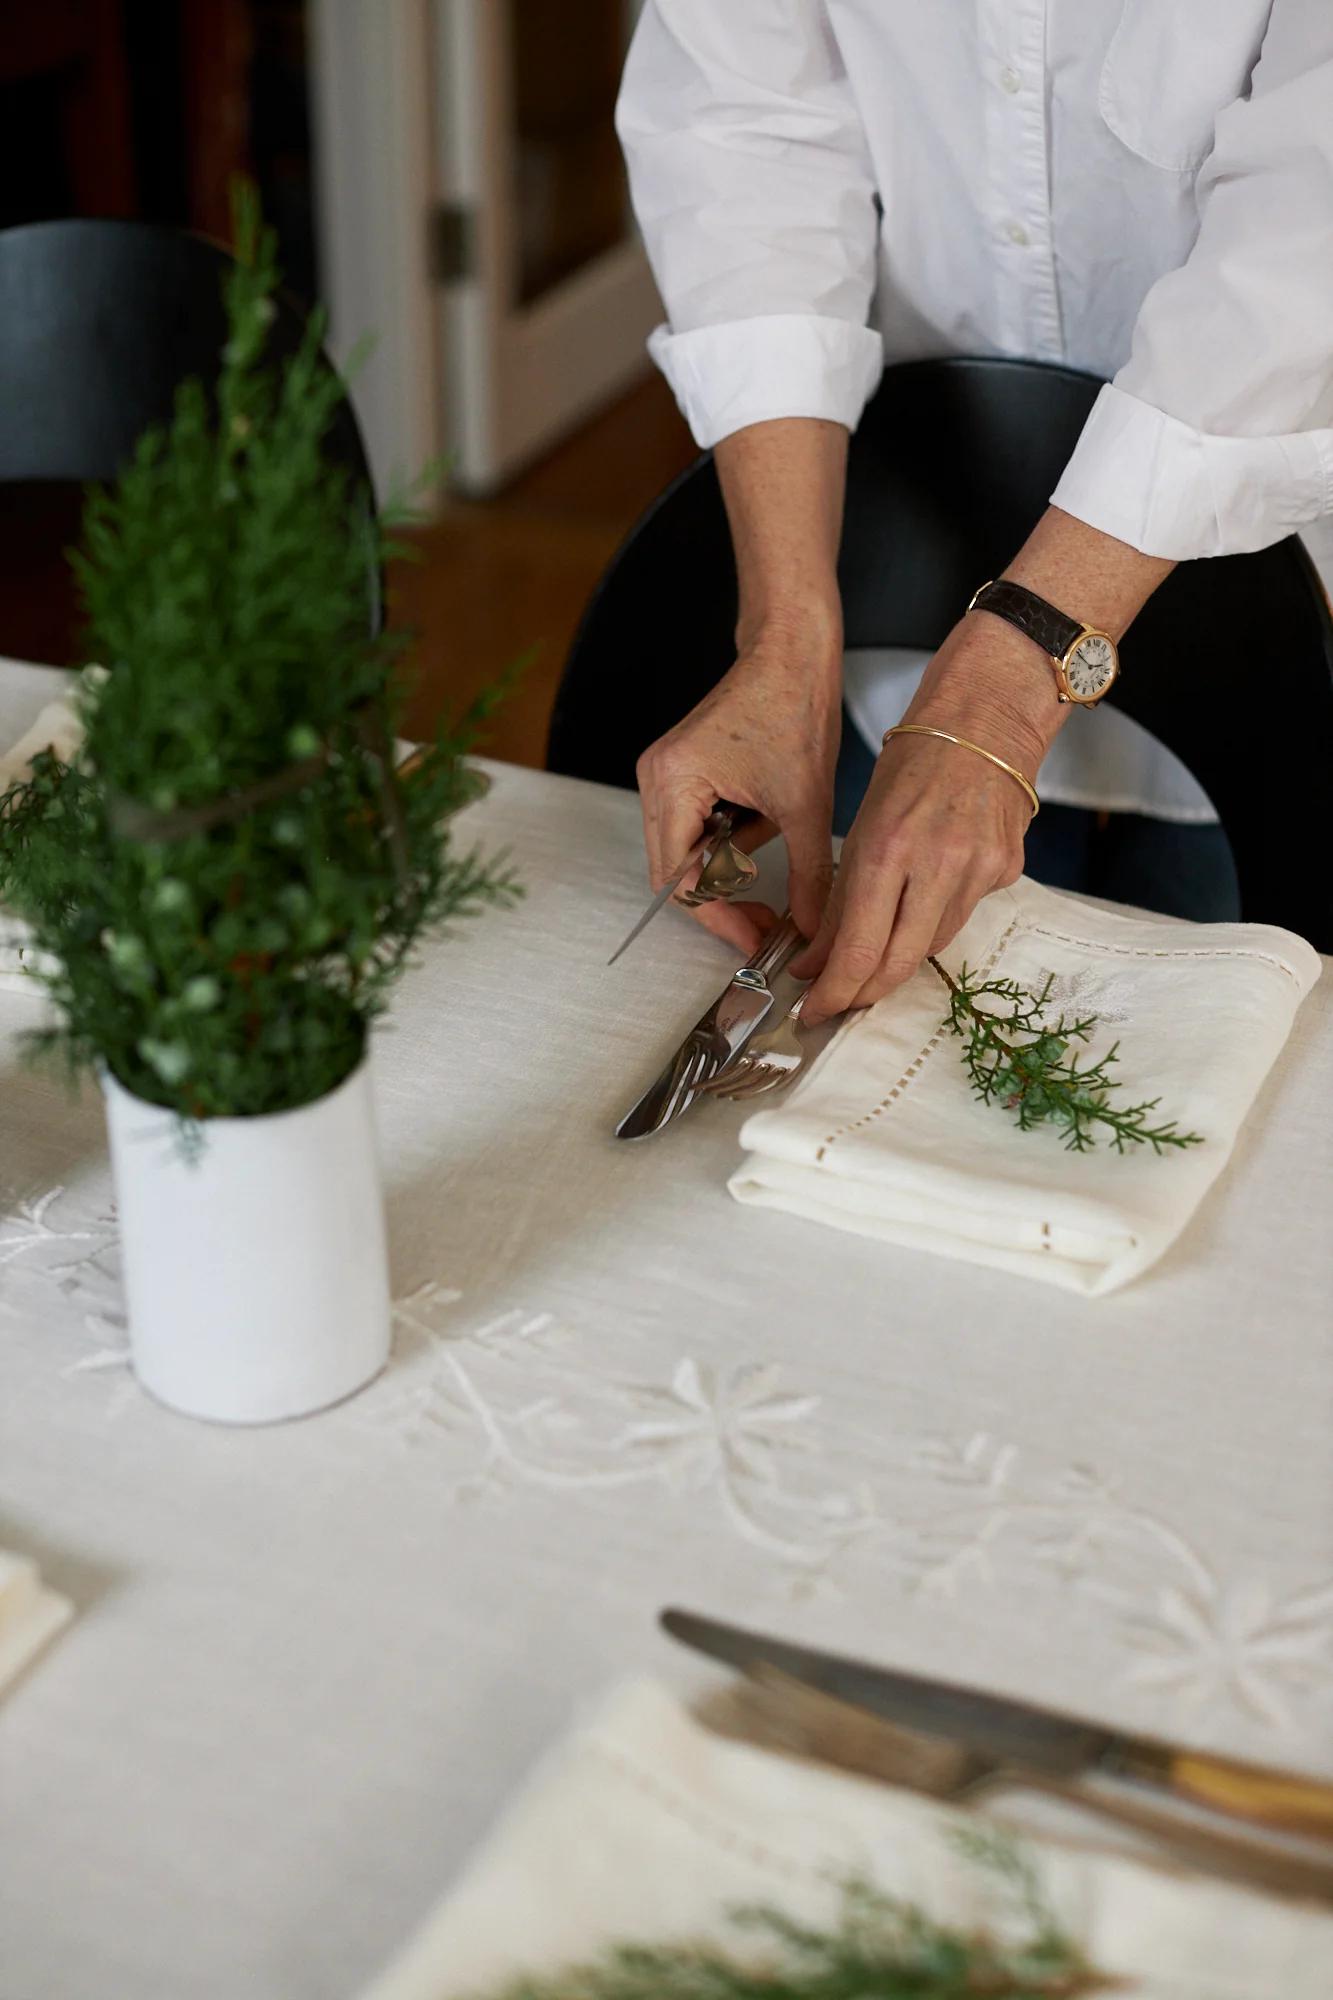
(1025, 1061)
(880, 1948)
(228, 578)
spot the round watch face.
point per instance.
(1090, 668)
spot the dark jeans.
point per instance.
(1156, 864)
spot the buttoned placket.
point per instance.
(1013, 48)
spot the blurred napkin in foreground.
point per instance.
(645, 1827)
(30, 1614)
(884, 1137)
(57, 728)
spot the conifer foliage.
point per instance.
(226, 882)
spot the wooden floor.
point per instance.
(499, 578)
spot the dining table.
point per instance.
(309, 1662)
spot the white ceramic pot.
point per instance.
(256, 1274)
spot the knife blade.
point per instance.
(1243, 1818)
(722, 823)
(716, 1038)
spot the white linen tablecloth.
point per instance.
(309, 1662)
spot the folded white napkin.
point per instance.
(57, 728)
(18, 958)
(884, 1137)
(644, 1826)
(30, 1614)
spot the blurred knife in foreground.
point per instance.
(1267, 1826)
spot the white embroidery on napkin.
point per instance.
(702, 1821)
(1071, 992)
(1177, 951)
(877, 1110)
(915, 1066)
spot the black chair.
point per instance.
(99, 323)
(1230, 664)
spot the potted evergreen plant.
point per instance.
(225, 882)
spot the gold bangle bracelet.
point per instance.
(920, 729)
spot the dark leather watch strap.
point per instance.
(1031, 614)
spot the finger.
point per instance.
(744, 925)
(680, 827)
(956, 913)
(811, 962)
(916, 920)
(751, 836)
(754, 834)
(859, 946)
(809, 840)
(652, 837)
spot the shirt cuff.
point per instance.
(747, 371)
(1175, 492)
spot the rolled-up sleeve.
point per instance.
(1216, 437)
(753, 187)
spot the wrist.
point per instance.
(989, 682)
(1088, 575)
(807, 627)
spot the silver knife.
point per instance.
(724, 820)
(716, 1038)
(1240, 1819)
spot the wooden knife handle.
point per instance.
(1302, 1805)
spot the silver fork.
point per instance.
(770, 1061)
(724, 874)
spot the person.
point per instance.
(1138, 189)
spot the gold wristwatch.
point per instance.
(1086, 660)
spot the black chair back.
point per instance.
(100, 321)
(1230, 664)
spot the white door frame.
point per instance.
(517, 375)
(374, 175)
(409, 102)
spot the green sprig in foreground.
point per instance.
(881, 1948)
(1022, 1060)
(228, 579)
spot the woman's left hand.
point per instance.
(939, 827)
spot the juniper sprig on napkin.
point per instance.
(1023, 1061)
(881, 1948)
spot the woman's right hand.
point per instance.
(766, 737)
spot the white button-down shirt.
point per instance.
(1140, 188)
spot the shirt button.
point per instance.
(1017, 234)
(1011, 81)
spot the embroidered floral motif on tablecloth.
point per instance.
(518, 1403)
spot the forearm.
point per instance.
(1091, 575)
(783, 485)
(1008, 687)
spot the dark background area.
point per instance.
(146, 108)
(142, 109)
